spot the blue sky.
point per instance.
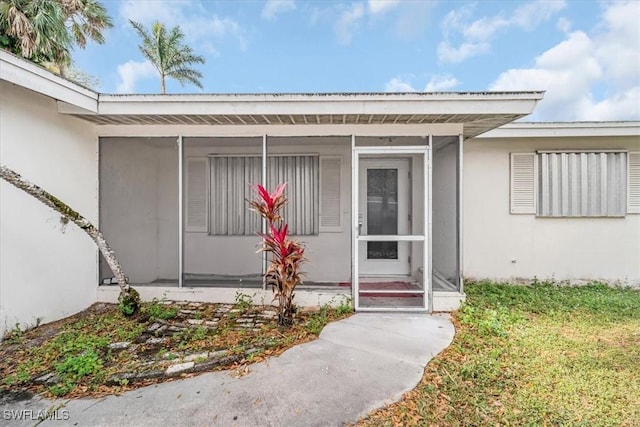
(585, 54)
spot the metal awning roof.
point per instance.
(479, 112)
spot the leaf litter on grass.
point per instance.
(78, 355)
(532, 355)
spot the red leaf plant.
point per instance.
(287, 255)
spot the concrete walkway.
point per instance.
(357, 365)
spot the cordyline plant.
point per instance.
(287, 255)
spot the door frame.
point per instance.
(425, 237)
(403, 165)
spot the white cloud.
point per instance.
(530, 15)
(382, 6)
(564, 25)
(473, 37)
(272, 8)
(198, 24)
(437, 83)
(348, 21)
(587, 77)
(397, 84)
(451, 54)
(620, 106)
(440, 83)
(165, 11)
(132, 71)
(407, 19)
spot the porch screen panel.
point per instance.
(230, 189)
(301, 173)
(231, 177)
(582, 184)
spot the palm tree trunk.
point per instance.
(62, 208)
(162, 88)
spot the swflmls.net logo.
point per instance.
(31, 415)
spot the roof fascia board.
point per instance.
(566, 129)
(355, 96)
(30, 76)
(109, 105)
(420, 130)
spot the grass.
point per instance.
(530, 356)
(77, 350)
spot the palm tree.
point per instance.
(168, 54)
(45, 31)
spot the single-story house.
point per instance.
(397, 197)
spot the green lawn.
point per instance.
(533, 355)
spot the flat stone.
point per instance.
(161, 330)
(218, 354)
(119, 345)
(153, 327)
(195, 304)
(179, 368)
(212, 362)
(155, 340)
(245, 325)
(118, 378)
(46, 378)
(185, 311)
(176, 328)
(195, 321)
(211, 322)
(193, 357)
(244, 320)
(206, 366)
(268, 314)
(149, 375)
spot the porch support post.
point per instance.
(428, 213)
(264, 221)
(354, 225)
(180, 212)
(459, 214)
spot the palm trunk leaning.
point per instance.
(129, 299)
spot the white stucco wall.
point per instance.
(498, 245)
(46, 272)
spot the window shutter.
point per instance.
(330, 181)
(633, 182)
(523, 183)
(196, 195)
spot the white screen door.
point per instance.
(384, 210)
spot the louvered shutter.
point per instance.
(196, 196)
(523, 183)
(633, 182)
(579, 184)
(330, 180)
